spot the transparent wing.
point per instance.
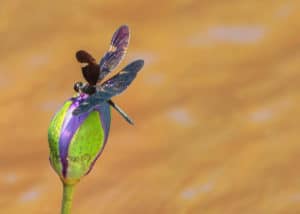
(116, 52)
(88, 105)
(119, 82)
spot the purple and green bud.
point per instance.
(77, 141)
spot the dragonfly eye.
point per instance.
(78, 86)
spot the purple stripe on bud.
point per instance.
(70, 125)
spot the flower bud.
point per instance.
(77, 141)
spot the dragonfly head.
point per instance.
(85, 88)
(78, 86)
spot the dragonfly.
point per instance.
(94, 73)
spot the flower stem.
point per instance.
(68, 190)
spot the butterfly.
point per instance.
(94, 73)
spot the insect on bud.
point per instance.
(77, 141)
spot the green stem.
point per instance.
(68, 190)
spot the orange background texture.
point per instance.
(216, 106)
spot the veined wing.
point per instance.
(119, 82)
(111, 87)
(116, 52)
(88, 105)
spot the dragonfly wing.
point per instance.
(90, 103)
(84, 57)
(87, 105)
(116, 52)
(83, 108)
(91, 70)
(119, 82)
(90, 73)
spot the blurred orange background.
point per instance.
(216, 106)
